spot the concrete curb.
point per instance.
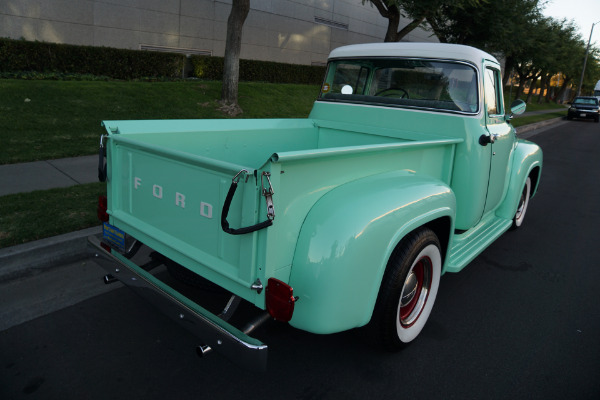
(538, 125)
(35, 257)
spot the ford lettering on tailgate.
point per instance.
(180, 200)
(206, 209)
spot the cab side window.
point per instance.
(492, 91)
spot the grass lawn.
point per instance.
(31, 216)
(55, 119)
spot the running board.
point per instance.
(468, 245)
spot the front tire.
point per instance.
(522, 206)
(408, 290)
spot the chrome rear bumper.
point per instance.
(212, 330)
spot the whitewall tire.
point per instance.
(408, 290)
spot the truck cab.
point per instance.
(431, 89)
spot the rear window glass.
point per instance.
(438, 85)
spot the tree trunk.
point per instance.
(530, 94)
(391, 12)
(508, 67)
(551, 92)
(563, 89)
(520, 89)
(409, 28)
(532, 88)
(233, 47)
(391, 35)
(543, 85)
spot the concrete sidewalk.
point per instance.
(42, 175)
(34, 257)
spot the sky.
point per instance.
(583, 12)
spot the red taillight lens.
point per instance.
(105, 246)
(280, 300)
(102, 207)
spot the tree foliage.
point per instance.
(419, 12)
(534, 48)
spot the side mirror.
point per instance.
(518, 107)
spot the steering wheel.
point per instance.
(404, 96)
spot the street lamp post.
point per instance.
(587, 49)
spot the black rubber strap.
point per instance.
(225, 212)
(102, 164)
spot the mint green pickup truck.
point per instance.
(406, 168)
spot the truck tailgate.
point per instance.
(171, 201)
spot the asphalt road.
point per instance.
(522, 321)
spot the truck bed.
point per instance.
(167, 182)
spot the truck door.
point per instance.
(501, 135)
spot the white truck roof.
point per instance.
(443, 51)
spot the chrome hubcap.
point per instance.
(410, 289)
(415, 291)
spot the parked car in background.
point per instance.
(584, 107)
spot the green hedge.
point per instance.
(41, 60)
(21, 55)
(211, 68)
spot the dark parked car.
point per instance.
(584, 107)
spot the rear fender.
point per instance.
(347, 239)
(527, 161)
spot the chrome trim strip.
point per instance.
(224, 338)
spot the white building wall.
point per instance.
(293, 31)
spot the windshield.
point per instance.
(438, 85)
(586, 101)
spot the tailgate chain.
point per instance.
(268, 193)
(102, 160)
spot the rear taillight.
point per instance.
(105, 246)
(102, 207)
(280, 300)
